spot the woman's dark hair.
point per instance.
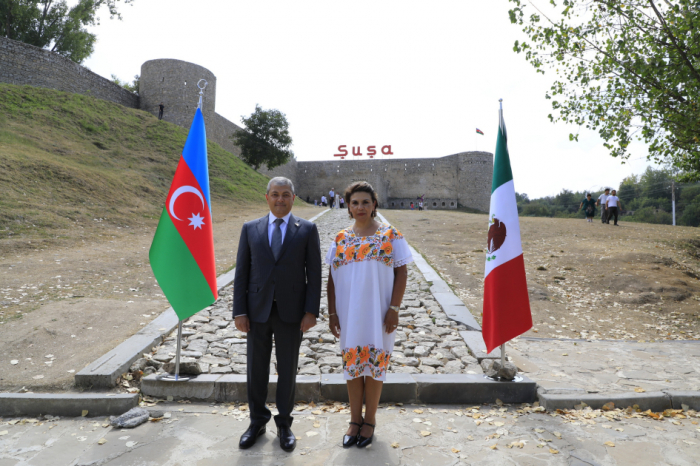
(361, 187)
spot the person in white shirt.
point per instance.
(331, 197)
(602, 199)
(323, 201)
(612, 204)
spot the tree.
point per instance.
(628, 69)
(129, 86)
(52, 25)
(266, 140)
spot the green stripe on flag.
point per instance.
(178, 274)
(501, 164)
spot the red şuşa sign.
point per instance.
(357, 151)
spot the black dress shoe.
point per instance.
(250, 436)
(350, 440)
(363, 442)
(288, 441)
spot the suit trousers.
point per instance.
(287, 342)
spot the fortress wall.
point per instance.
(219, 130)
(461, 179)
(24, 64)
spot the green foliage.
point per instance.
(132, 86)
(266, 140)
(645, 198)
(629, 70)
(53, 25)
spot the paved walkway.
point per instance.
(427, 341)
(204, 434)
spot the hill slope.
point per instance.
(70, 160)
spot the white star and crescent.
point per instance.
(196, 220)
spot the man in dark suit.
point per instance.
(276, 291)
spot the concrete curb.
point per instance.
(656, 401)
(69, 405)
(398, 388)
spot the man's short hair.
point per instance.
(280, 181)
(607, 189)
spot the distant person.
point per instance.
(315, 202)
(331, 196)
(602, 199)
(588, 205)
(308, 199)
(613, 204)
(161, 108)
(342, 202)
(323, 201)
(420, 205)
(411, 205)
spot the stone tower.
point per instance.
(174, 82)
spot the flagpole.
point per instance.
(176, 377)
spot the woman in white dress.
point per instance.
(366, 284)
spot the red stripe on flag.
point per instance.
(506, 304)
(193, 221)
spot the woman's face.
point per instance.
(361, 206)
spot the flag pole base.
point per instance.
(176, 377)
(501, 379)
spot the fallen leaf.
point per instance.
(539, 431)
(102, 441)
(418, 411)
(81, 439)
(498, 424)
(620, 429)
(553, 451)
(131, 444)
(557, 434)
(609, 406)
(454, 450)
(639, 390)
(499, 402)
(425, 433)
(609, 443)
(395, 445)
(4, 432)
(317, 424)
(317, 412)
(494, 446)
(311, 433)
(85, 413)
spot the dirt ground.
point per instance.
(634, 282)
(68, 302)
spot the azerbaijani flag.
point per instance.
(182, 252)
(506, 302)
(478, 131)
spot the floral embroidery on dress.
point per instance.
(352, 248)
(360, 358)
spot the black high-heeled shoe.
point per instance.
(362, 442)
(350, 440)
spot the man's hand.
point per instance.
(334, 325)
(242, 323)
(391, 321)
(307, 322)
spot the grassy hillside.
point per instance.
(68, 160)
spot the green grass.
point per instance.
(68, 159)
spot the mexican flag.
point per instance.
(182, 252)
(506, 302)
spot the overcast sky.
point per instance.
(420, 76)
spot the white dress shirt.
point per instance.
(271, 226)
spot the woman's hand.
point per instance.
(391, 321)
(334, 325)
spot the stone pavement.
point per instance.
(207, 434)
(427, 341)
(609, 366)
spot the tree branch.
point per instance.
(670, 35)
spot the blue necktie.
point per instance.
(276, 243)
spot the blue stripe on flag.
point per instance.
(195, 154)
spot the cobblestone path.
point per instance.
(427, 341)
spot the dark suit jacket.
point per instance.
(294, 280)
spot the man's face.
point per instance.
(280, 200)
(607, 191)
(613, 192)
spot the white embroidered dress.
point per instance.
(362, 268)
